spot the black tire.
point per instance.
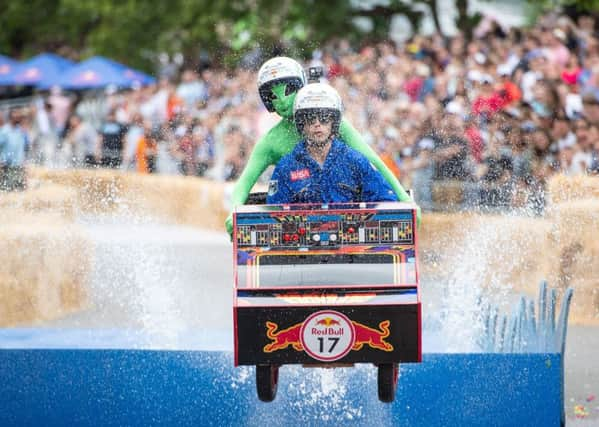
(267, 379)
(388, 374)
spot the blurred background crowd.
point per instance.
(480, 123)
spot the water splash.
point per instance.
(146, 277)
(452, 321)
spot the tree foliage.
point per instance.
(135, 31)
(581, 5)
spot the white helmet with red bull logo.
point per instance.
(317, 100)
(279, 70)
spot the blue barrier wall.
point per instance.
(202, 388)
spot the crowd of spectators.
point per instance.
(470, 123)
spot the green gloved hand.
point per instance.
(229, 225)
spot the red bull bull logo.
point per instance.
(328, 336)
(374, 338)
(283, 338)
(327, 321)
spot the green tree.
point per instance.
(135, 31)
(581, 5)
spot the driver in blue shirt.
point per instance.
(322, 169)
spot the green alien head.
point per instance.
(283, 97)
(279, 79)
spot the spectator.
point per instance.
(582, 157)
(146, 152)
(566, 160)
(571, 71)
(496, 171)
(422, 166)
(489, 101)
(591, 108)
(594, 169)
(561, 132)
(520, 143)
(60, 109)
(80, 143)
(451, 151)
(186, 151)
(191, 90)
(204, 144)
(46, 139)
(13, 146)
(532, 94)
(236, 151)
(543, 163)
(135, 131)
(557, 53)
(174, 104)
(110, 145)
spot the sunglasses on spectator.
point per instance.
(324, 118)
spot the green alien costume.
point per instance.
(282, 138)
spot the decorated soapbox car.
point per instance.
(326, 286)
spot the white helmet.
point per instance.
(315, 99)
(279, 70)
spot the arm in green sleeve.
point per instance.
(353, 138)
(355, 141)
(260, 159)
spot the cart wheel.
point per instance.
(267, 378)
(387, 381)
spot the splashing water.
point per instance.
(162, 280)
(318, 395)
(135, 276)
(174, 284)
(172, 280)
(483, 263)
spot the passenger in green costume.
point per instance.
(279, 79)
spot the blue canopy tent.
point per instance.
(138, 77)
(7, 67)
(99, 72)
(41, 71)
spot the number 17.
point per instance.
(321, 343)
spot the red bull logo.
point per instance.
(374, 338)
(331, 329)
(32, 73)
(327, 321)
(283, 338)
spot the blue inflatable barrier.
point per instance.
(144, 387)
(82, 377)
